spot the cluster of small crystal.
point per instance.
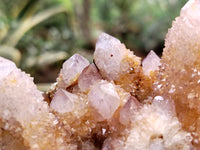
(99, 112)
(25, 119)
(179, 75)
(115, 103)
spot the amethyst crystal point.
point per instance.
(88, 77)
(103, 113)
(71, 70)
(150, 63)
(63, 101)
(104, 99)
(128, 110)
(108, 55)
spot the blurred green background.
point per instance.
(38, 35)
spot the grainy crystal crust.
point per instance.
(115, 103)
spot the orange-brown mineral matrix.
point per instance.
(179, 75)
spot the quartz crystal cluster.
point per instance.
(118, 102)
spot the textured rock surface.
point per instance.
(114, 103)
(19, 96)
(180, 69)
(153, 128)
(157, 127)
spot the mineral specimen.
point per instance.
(104, 98)
(150, 63)
(26, 102)
(88, 77)
(178, 77)
(71, 70)
(115, 103)
(63, 101)
(111, 57)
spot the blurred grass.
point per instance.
(39, 35)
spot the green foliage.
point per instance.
(18, 18)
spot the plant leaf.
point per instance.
(10, 53)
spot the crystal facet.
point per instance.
(71, 69)
(104, 99)
(63, 101)
(88, 77)
(150, 63)
(113, 103)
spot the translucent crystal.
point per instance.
(104, 99)
(63, 101)
(128, 110)
(111, 104)
(109, 55)
(6, 66)
(71, 70)
(88, 77)
(150, 63)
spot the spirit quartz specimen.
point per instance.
(115, 103)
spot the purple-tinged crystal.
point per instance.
(88, 77)
(71, 70)
(104, 99)
(63, 101)
(150, 63)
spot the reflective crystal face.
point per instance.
(88, 77)
(112, 58)
(114, 103)
(71, 70)
(63, 101)
(104, 99)
(150, 63)
(108, 55)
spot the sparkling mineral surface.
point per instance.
(115, 103)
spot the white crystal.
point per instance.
(150, 63)
(88, 77)
(72, 68)
(157, 144)
(104, 99)
(63, 101)
(6, 66)
(19, 98)
(178, 49)
(191, 11)
(109, 55)
(155, 126)
(158, 98)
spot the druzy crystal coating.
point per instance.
(115, 103)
